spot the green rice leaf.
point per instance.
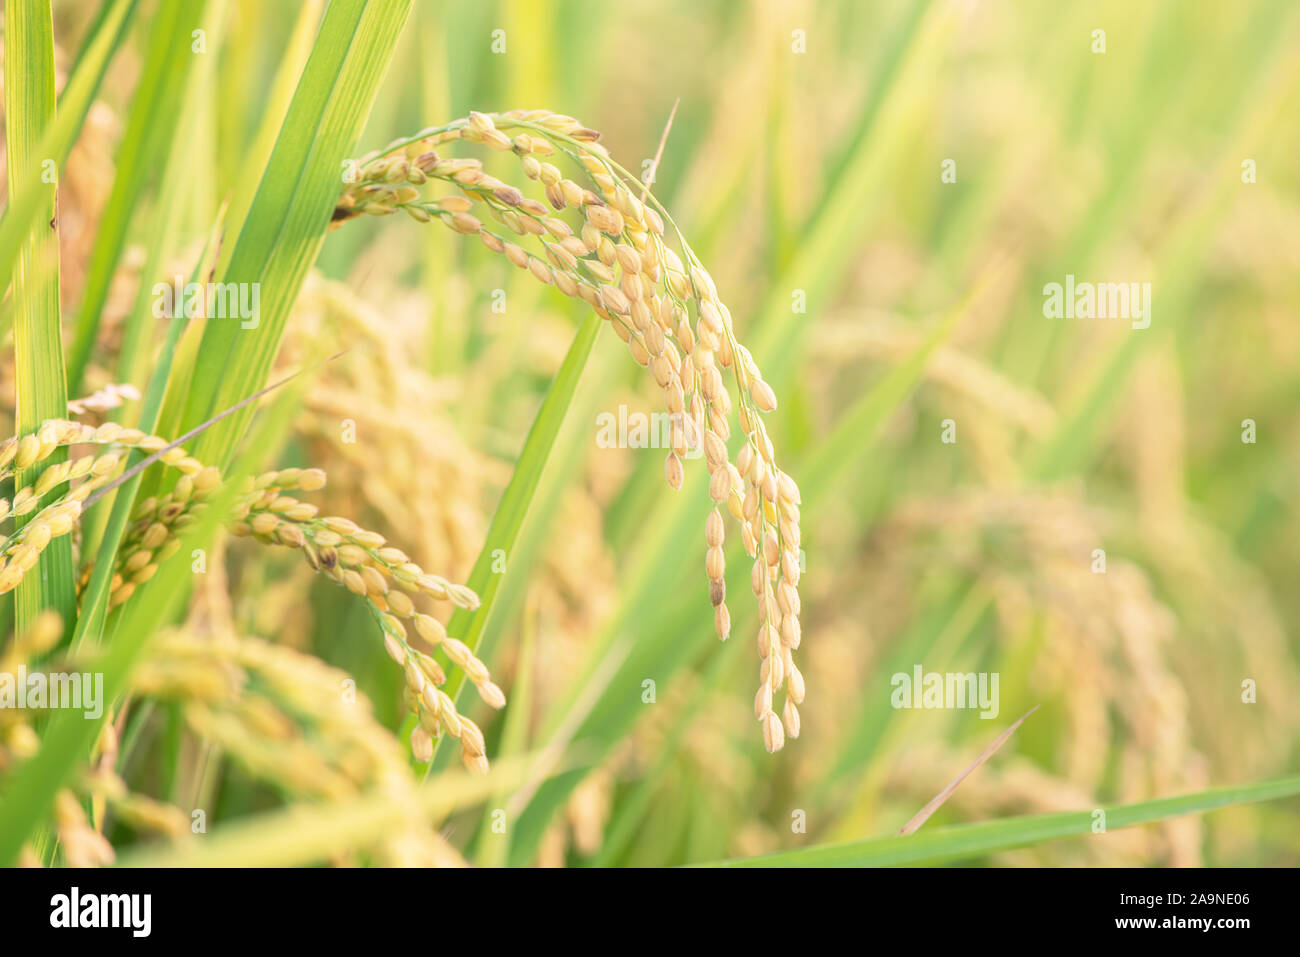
(287, 221)
(976, 840)
(40, 387)
(26, 205)
(510, 514)
(152, 117)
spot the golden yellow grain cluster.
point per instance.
(359, 559)
(363, 562)
(617, 256)
(20, 551)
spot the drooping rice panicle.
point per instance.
(19, 552)
(358, 559)
(364, 563)
(616, 256)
